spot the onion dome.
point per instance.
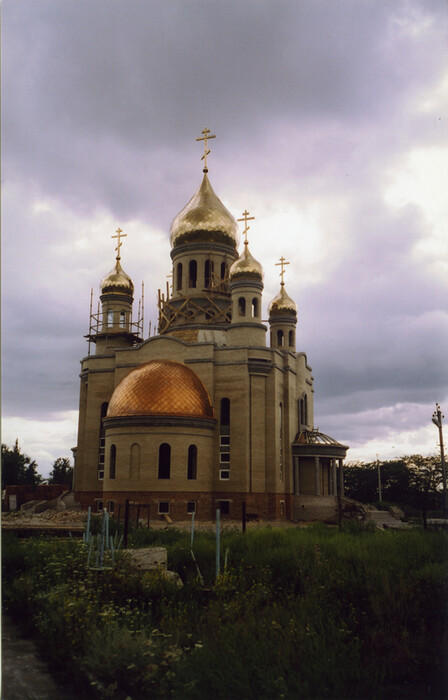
(117, 282)
(282, 304)
(204, 219)
(246, 267)
(161, 388)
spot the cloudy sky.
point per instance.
(331, 129)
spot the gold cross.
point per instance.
(282, 263)
(119, 235)
(246, 218)
(205, 138)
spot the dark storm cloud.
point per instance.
(314, 103)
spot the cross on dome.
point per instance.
(282, 263)
(205, 138)
(246, 218)
(119, 235)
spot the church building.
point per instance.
(216, 409)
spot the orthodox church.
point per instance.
(216, 409)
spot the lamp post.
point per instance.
(437, 420)
(379, 479)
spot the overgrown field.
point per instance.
(298, 613)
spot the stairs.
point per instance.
(384, 520)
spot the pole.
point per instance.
(437, 420)
(218, 540)
(126, 523)
(379, 479)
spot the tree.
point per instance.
(17, 468)
(62, 472)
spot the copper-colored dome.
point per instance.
(282, 304)
(204, 218)
(161, 388)
(117, 281)
(246, 266)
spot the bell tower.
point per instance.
(283, 317)
(112, 326)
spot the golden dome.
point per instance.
(246, 266)
(282, 304)
(161, 388)
(204, 218)
(117, 281)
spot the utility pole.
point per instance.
(437, 420)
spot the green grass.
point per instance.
(298, 613)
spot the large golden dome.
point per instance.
(117, 281)
(161, 388)
(282, 304)
(246, 266)
(204, 219)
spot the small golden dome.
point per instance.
(246, 266)
(204, 218)
(282, 304)
(161, 388)
(117, 281)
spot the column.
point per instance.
(296, 475)
(341, 477)
(334, 485)
(316, 468)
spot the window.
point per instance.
(254, 307)
(242, 306)
(100, 474)
(223, 270)
(113, 461)
(122, 319)
(110, 318)
(164, 461)
(164, 507)
(192, 462)
(224, 474)
(225, 417)
(179, 276)
(280, 339)
(224, 507)
(208, 273)
(291, 339)
(191, 507)
(282, 507)
(111, 506)
(224, 457)
(224, 440)
(135, 461)
(99, 506)
(192, 273)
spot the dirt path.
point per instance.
(25, 675)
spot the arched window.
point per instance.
(301, 412)
(192, 462)
(122, 319)
(192, 273)
(242, 306)
(208, 273)
(280, 339)
(134, 471)
(305, 409)
(291, 339)
(164, 461)
(113, 461)
(223, 270)
(179, 276)
(254, 307)
(110, 318)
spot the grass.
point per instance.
(298, 613)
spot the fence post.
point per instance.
(126, 523)
(243, 515)
(218, 541)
